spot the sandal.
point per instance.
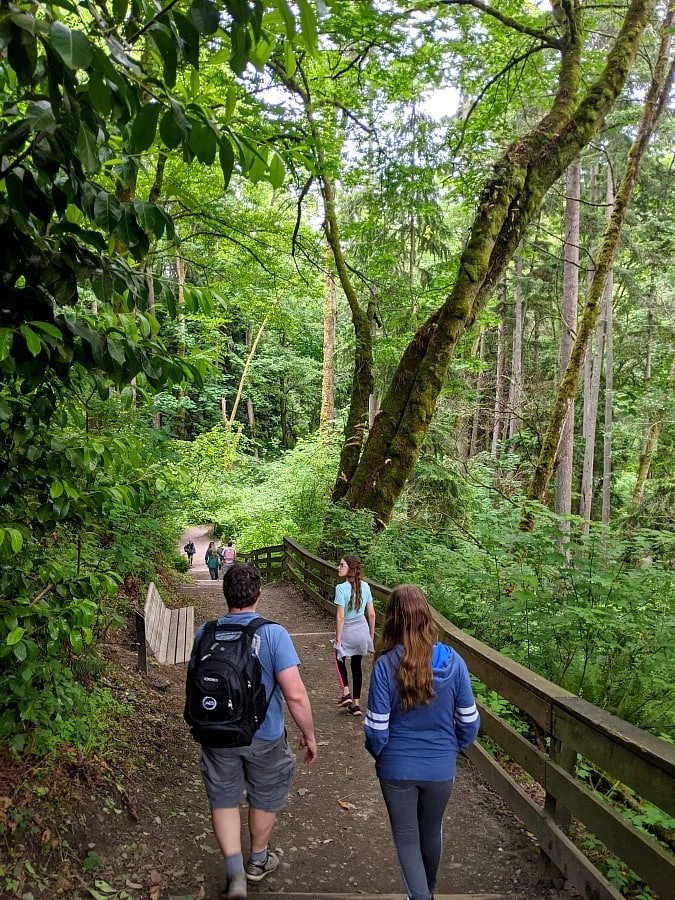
(354, 710)
(345, 701)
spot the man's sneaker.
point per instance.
(236, 888)
(256, 871)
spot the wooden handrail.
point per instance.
(570, 726)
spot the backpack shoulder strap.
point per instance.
(209, 631)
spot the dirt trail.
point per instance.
(332, 837)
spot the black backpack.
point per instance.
(225, 700)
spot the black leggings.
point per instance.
(357, 674)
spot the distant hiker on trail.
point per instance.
(228, 555)
(420, 714)
(354, 631)
(262, 764)
(190, 550)
(212, 560)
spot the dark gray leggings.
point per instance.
(416, 811)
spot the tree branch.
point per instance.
(514, 24)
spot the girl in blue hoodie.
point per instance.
(421, 713)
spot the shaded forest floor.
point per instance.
(140, 827)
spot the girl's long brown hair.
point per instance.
(408, 621)
(354, 576)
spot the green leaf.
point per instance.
(100, 94)
(15, 636)
(204, 142)
(190, 38)
(165, 43)
(56, 489)
(116, 351)
(14, 137)
(32, 339)
(226, 155)
(287, 15)
(6, 338)
(204, 15)
(40, 116)
(170, 131)
(48, 328)
(76, 641)
(240, 40)
(20, 651)
(230, 101)
(87, 150)
(15, 539)
(120, 8)
(144, 127)
(277, 171)
(259, 54)
(290, 63)
(72, 46)
(308, 23)
(107, 211)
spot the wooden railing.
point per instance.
(570, 728)
(268, 559)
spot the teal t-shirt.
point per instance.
(343, 593)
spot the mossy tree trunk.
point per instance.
(512, 196)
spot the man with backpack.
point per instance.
(241, 669)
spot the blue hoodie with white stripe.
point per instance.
(421, 744)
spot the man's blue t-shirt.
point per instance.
(343, 593)
(274, 648)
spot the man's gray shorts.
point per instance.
(264, 770)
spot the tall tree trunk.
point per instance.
(653, 438)
(327, 420)
(181, 430)
(480, 382)
(247, 366)
(588, 359)
(500, 387)
(650, 349)
(372, 399)
(609, 403)
(565, 453)
(659, 91)
(356, 425)
(516, 389)
(512, 196)
(250, 412)
(592, 392)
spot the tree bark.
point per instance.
(181, 429)
(327, 420)
(653, 438)
(356, 425)
(242, 380)
(609, 403)
(516, 389)
(511, 198)
(565, 452)
(500, 387)
(657, 95)
(480, 380)
(592, 391)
